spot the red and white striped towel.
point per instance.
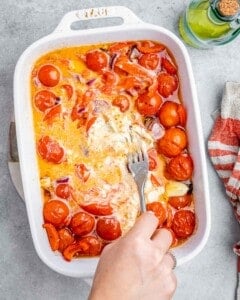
(224, 146)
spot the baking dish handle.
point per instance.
(122, 12)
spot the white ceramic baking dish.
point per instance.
(132, 28)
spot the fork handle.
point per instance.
(142, 198)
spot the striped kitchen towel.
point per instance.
(224, 146)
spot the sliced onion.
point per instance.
(62, 180)
(91, 81)
(134, 53)
(100, 106)
(112, 60)
(153, 125)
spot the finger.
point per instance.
(145, 225)
(162, 238)
(168, 262)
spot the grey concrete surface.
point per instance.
(212, 274)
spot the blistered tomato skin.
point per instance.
(45, 100)
(55, 212)
(172, 114)
(87, 246)
(63, 190)
(108, 228)
(49, 75)
(50, 150)
(65, 238)
(167, 84)
(82, 223)
(149, 61)
(180, 167)
(96, 60)
(179, 202)
(173, 142)
(148, 105)
(183, 223)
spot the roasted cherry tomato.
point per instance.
(108, 228)
(183, 223)
(65, 238)
(168, 66)
(149, 47)
(98, 209)
(148, 105)
(180, 201)
(96, 60)
(173, 142)
(180, 167)
(149, 61)
(167, 84)
(172, 114)
(45, 100)
(52, 113)
(159, 211)
(55, 212)
(121, 47)
(122, 102)
(50, 150)
(152, 159)
(89, 246)
(63, 190)
(53, 236)
(49, 75)
(156, 181)
(82, 223)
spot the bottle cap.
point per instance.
(228, 8)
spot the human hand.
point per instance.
(137, 266)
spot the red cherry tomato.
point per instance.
(122, 102)
(45, 99)
(173, 142)
(168, 66)
(49, 75)
(96, 60)
(149, 61)
(172, 114)
(148, 105)
(183, 223)
(89, 246)
(82, 223)
(53, 236)
(52, 113)
(149, 47)
(152, 159)
(180, 167)
(108, 228)
(180, 201)
(98, 209)
(63, 190)
(167, 84)
(159, 211)
(55, 212)
(50, 150)
(156, 181)
(66, 238)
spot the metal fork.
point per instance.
(138, 166)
